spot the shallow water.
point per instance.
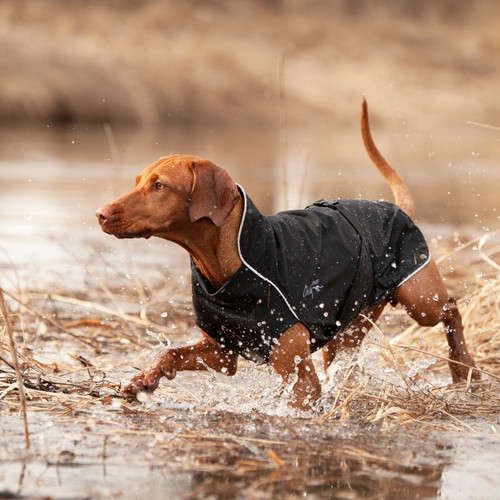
(52, 181)
(172, 449)
(201, 435)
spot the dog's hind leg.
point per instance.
(354, 335)
(425, 299)
(458, 349)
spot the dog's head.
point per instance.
(171, 193)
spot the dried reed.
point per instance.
(403, 380)
(13, 352)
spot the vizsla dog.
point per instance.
(276, 288)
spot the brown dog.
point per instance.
(267, 314)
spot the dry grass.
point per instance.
(74, 348)
(97, 341)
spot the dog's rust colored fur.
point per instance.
(194, 203)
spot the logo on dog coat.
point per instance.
(310, 289)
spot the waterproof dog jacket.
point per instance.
(320, 266)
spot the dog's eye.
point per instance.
(159, 186)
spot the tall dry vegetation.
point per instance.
(155, 62)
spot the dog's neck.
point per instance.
(215, 249)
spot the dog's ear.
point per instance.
(214, 193)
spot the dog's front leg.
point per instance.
(291, 358)
(201, 356)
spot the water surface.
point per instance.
(220, 438)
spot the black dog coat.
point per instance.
(320, 266)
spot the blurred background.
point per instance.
(92, 91)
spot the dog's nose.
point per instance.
(102, 214)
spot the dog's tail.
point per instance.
(399, 190)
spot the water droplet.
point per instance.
(142, 397)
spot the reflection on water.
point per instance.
(225, 455)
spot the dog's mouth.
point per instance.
(122, 231)
(127, 233)
(146, 233)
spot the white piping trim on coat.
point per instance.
(415, 272)
(248, 265)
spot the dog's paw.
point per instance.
(139, 384)
(463, 369)
(148, 380)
